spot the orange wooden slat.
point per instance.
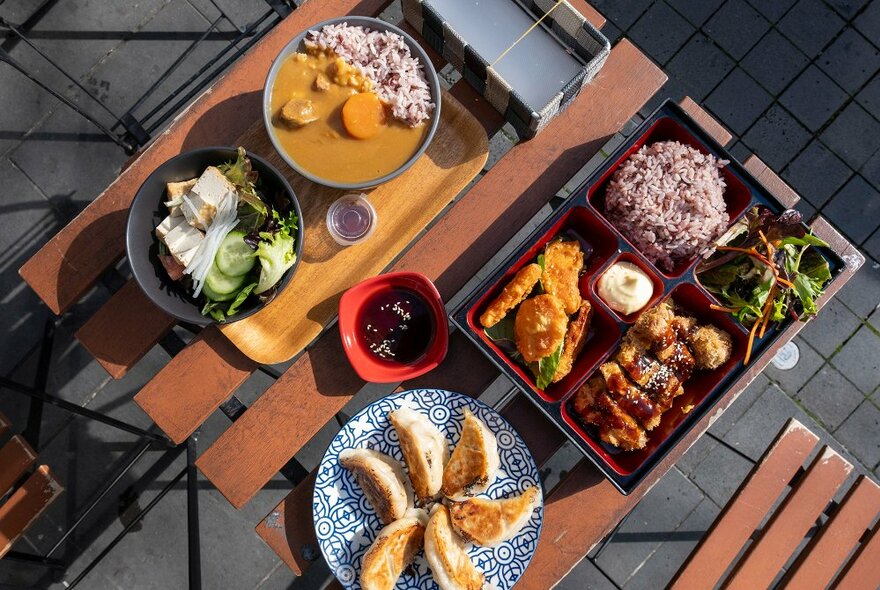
(477, 225)
(823, 557)
(16, 457)
(787, 528)
(706, 121)
(71, 262)
(25, 505)
(189, 388)
(863, 570)
(771, 181)
(124, 329)
(747, 508)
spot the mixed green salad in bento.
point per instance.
(224, 240)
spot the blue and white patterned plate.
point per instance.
(346, 524)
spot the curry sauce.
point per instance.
(321, 145)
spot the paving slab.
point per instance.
(793, 379)
(775, 61)
(830, 397)
(857, 195)
(853, 135)
(813, 98)
(586, 575)
(622, 13)
(279, 578)
(697, 11)
(859, 360)
(745, 400)
(777, 137)
(737, 27)
(859, 434)
(661, 32)
(810, 24)
(868, 23)
(847, 8)
(869, 96)
(700, 66)
(850, 60)
(872, 247)
(871, 170)
(720, 473)
(690, 461)
(738, 101)
(828, 330)
(773, 11)
(862, 293)
(650, 523)
(816, 173)
(242, 12)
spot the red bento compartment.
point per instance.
(599, 244)
(736, 193)
(659, 288)
(697, 389)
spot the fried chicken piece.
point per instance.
(575, 338)
(563, 261)
(684, 326)
(653, 328)
(511, 295)
(629, 397)
(711, 346)
(298, 112)
(322, 82)
(616, 427)
(677, 357)
(540, 327)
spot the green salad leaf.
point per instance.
(276, 250)
(252, 211)
(545, 368)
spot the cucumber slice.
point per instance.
(234, 257)
(221, 287)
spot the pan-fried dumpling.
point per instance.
(393, 550)
(445, 552)
(382, 480)
(490, 522)
(474, 462)
(425, 450)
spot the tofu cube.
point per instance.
(183, 241)
(178, 189)
(167, 225)
(200, 204)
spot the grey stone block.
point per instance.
(862, 293)
(859, 434)
(816, 173)
(813, 98)
(850, 60)
(670, 556)
(754, 432)
(868, 23)
(690, 461)
(738, 101)
(622, 13)
(700, 66)
(499, 145)
(720, 473)
(810, 24)
(776, 137)
(857, 195)
(828, 330)
(772, 11)
(871, 170)
(854, 135)
(279, 578)
(696, 11)
(740, 406)
(650, 523)
(791, 380)
(872, 247)
(586, 575)
(847, 8)
(774, 61)
(859, 359)
(661, 32)
(737, 27)
(869, 96)
(242, 12)
(830, 397)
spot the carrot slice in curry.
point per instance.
(363, 115)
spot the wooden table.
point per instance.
(579, 512)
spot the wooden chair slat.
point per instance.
(706, 121)
(511, 193)
(747, 508)
(25, 505)
(124, 330)
(788, 526)
(194, 383)
(820, 561)
(16, 457)
(771, 181)
(863, 570)
(63, 270)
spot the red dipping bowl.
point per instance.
(368, 366)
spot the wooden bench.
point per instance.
(30, 494)
(792, 488)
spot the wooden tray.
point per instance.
(405, 206)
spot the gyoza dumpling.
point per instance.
(450, 565)
(425, 450)
(393, 550)
(382, 480)
(490, 522)
(474, 462)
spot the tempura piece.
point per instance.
(540, 327)
(563, 261)
(575, 338)
(511, 295)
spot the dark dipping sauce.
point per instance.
(396, 325)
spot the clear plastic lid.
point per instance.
(351, 219)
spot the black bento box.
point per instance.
(581, 217)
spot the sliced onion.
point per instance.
(224, 222)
